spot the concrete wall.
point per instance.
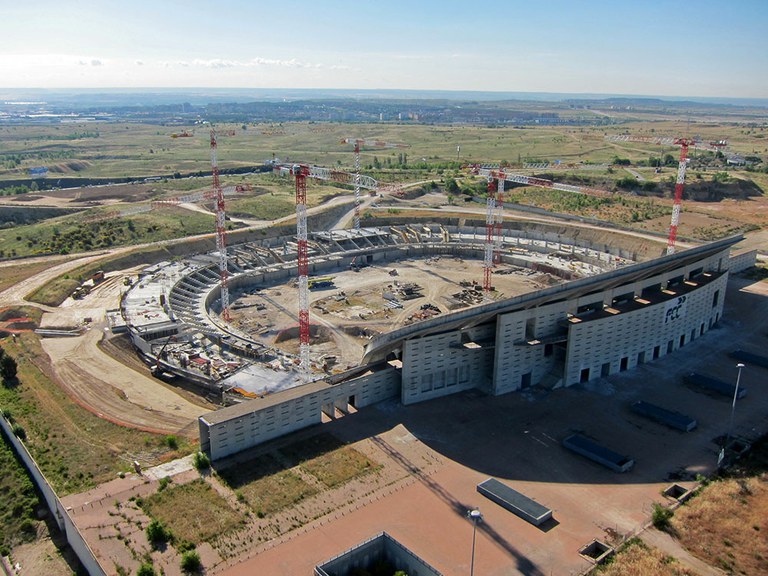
(257, 421)
(82, 550)
(641, 335)
(366, 554)
(743, 261)
(519, 365)
(442, 364)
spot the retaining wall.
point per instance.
(60, 514)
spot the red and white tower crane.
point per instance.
(494, 218)
(221, 230)
(684, 144)
(358, 142)
(300, 173)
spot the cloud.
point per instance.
(95, 62)
(139, 63)
(92, 62)
(218, 63)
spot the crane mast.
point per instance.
(685, 144)
(221, 230)
(679, 187)
(358, 142)
(357, 185)
(300, 174)
(494, 219)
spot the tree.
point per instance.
(146, 569)
(157, 534)
(451, 186)
(8, 368)
(190, 562)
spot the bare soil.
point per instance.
(355, 308)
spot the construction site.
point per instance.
(398, 345)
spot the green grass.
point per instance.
(318, 445)
(70, 234)
(75, 449)
(337, 467)
(194, 512)
(266, 486)
(18, 500)
(327, 459)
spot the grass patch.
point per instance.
(266, 486)
(18, 500)
(14, 273)
(339, 466)
(726, 524)
(193, 512)
(637, 559)
(79, 233)
(75, 449)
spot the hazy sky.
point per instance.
(660, 47)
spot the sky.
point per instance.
(647, 47)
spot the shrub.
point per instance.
(157, 534)
(190, 562)
(172, 442)
(19, 432)
(201, 461)
(146, 569)
(164, 482)
(661, 516)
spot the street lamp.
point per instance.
(476, 517)
(733, 404)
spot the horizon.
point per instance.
(708, 50)
(20, 95)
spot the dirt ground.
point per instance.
(355, 308)
(435, 453)
(87, 371)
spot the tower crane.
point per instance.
(488, 171)
(494, 218)
(300, 174)
(221, 229)
(684, 144)
(358, 142)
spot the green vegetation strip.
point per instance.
(266, 486)
(193, 512)
(75, 449)
(637, 559)
(18, 501)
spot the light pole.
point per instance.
(733, 404)
(476, 517)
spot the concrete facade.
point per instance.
(237, 428)
(571, 333)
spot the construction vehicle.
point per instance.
(321, 282)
